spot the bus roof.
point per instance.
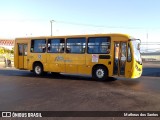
(82, 35)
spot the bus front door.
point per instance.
(22, 56)
(120, 55)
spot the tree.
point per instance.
(2, 51)
(12, 51)
(6, 51)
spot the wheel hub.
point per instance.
(100, 73)
(38, 69)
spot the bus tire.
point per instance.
(38, 69)
(100, 73)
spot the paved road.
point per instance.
(22, 91)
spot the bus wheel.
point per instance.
(100, 73)
(38, 69)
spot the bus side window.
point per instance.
(76, 45)
(62, 50)
(38, 46)
(55, 45)
(49, 47)
(99, 45)
(68, 50)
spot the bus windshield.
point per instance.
(136, 49)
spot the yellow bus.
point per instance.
(99, 55)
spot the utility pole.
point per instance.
(51, 25)
(147, 40)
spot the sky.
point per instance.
(25, 18)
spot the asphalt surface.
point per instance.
(22, 91)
